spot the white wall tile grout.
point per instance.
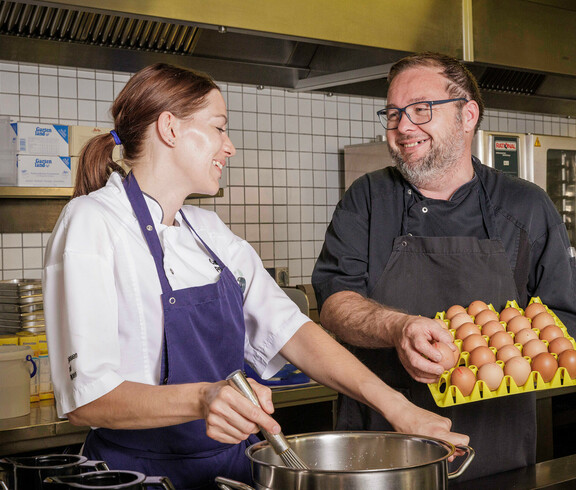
(285, 179)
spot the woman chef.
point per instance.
(150, 304)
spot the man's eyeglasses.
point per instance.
(418, 112)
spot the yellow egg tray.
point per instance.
(447, 395)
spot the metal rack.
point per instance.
(561, 186)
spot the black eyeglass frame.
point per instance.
(402, 110)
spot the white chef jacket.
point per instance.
(102, 293)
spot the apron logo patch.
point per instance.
(240, 279)
(71, 369)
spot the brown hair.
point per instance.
(461, 82)
(151, 91)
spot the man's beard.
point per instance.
(443, 156)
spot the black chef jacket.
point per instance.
(359, 240)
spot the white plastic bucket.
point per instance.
(15, 373)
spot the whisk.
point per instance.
(278, 441)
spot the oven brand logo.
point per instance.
(506, 145)
(42, 131)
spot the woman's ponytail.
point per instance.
(96, 165)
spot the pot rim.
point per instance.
(18, 461)
(450, 448)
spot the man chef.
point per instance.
(436, 230)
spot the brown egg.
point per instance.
(567, 359)
(534, 347)
(467, 329)
(508, 352)
(485, 316)
(473, 341)
(448, 360)
(559, 345)
(491, 327)
(542, 320)
(492, 374)
(533, 309)
(507, 313)
(546, 365)
(476, 307)
(525, 335)
(460, 319)
(550, 333)
(500, 339)
(481, 355)
(518, 369)
(464, 379)
(518, 323)
(454, 310)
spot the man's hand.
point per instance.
(413, 342)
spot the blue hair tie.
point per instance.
(116, 137)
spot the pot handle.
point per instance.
(158, 481)
(462, 468)
(227, 484)
(95, 465)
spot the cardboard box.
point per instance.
(40, 139)
(80, 135)
(44, 171)
(8, 169)
(7, 339)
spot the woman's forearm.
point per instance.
(140, 406)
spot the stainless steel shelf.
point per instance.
(35, 192)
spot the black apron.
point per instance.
(425, 275)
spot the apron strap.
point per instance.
(214, 256)
(148, 229)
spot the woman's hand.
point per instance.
(231, 417)
(410, 419)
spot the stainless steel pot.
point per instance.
(355, 461)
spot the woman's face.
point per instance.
(202, 145)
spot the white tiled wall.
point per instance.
(284, 181)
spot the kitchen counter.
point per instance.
(555, 474)
(41, 429)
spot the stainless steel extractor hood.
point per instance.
(523, 52)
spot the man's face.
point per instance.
(425, 152)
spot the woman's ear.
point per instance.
(166, 124)
(470, 114)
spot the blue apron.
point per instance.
(203, 342)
